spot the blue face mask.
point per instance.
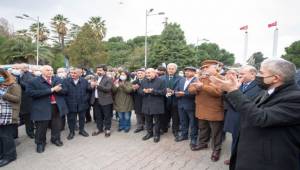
(2, 80)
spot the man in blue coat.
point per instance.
(48, 104)
(186, 108)
(77, 99)
(171, 111)
(247, 75)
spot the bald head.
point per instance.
(47, 71)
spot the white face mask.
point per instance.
(61, 75)
(37, 73)
(123, 78)
(16, 72)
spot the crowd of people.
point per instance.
(259, 108)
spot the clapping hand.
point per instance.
(179, 93)
(56, 88)
(148, 90)
(230, 84)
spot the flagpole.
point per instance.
(275, 43)
(245, 47)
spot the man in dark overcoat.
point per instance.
(48, 104)
(152, 89)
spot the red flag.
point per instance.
(244, 27)
(273, 24)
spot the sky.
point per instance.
(215, 20)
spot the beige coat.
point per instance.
(209, 101)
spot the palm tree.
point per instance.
(21, 49)
(98, 25)
(43, 31)
(59, 23)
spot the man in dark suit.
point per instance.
(138, 99)
(247, 75)
(171, 110)
(269, 129)
(48, 103)
(25, 108)
(186, 108)
(77, 99)
(102, 100)
(152, 90)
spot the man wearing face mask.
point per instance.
(102, 100)
(61, 73)
(153, 91)
(270, 125)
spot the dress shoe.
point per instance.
(181, 138)
(215, 156)
(138, 130)
(148, 136)
(193, 147)
(107, 133)
(4, 162)
(71, 135)
(156, 139)
(83, 133)
(200, 147)
(31, 135)
(126, 130)
(40, 148)
(57, 142)
(97, 132)
(227, 162)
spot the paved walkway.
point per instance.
(120, 151)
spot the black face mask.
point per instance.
(261, 84)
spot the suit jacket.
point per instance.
(77, 96)
(187, 101)
(170, 101)
(104, 91)
(269, 135)
(40, 91)
(137, 98)
(153, 103)
(26, 99)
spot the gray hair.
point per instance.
(172, 64)
(250, 69)
(285, 69)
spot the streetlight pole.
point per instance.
(37, 41)
(27, 17)
(148, 13)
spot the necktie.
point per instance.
(52, 97)
(244, 88)
(264, 96)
